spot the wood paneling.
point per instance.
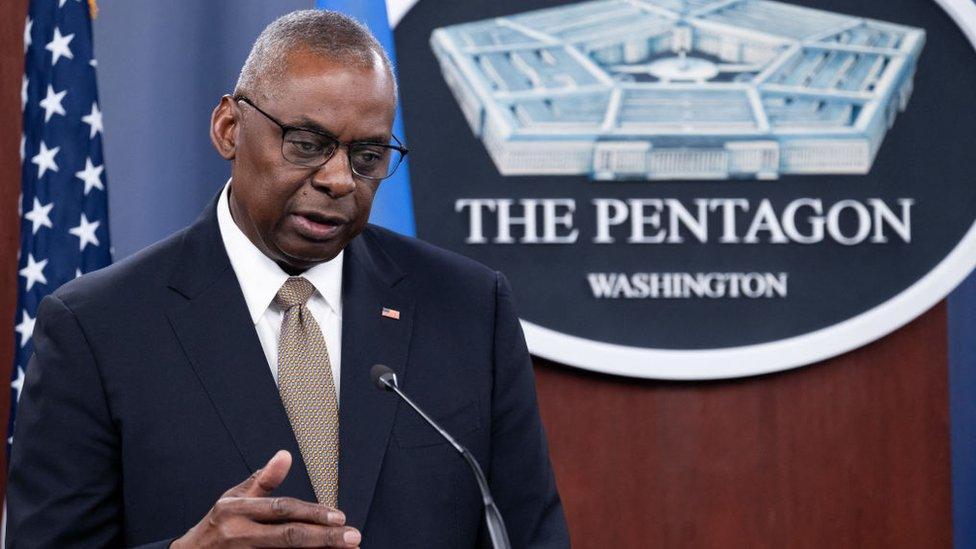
(12, 17)
(852, 452)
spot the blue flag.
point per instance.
(393, 205)
(64, 208)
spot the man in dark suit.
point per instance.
(162, 385)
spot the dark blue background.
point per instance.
(162, 68)
(923, 157)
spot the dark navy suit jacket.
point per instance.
(149, 396)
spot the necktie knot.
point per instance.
(295, 291)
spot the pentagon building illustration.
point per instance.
(680, 89)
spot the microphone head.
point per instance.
(382, 376)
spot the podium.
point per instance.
(850, 452)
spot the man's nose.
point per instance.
(335, 176)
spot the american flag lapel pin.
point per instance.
(390, 313)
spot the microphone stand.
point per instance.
(493, 518)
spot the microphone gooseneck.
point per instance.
(385, 379)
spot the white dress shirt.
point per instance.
(261, 278)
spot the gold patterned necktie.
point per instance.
(308, 390)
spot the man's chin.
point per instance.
(298, 259)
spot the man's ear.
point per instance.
(224, 124)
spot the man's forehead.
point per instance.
(306, 75)
(302, 65)
(333, 97)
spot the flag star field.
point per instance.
(64, 207)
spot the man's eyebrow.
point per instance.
(306, 123)
(382, 139)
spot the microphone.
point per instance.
(385, 379)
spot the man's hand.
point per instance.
(246, 517)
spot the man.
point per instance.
(162, 385)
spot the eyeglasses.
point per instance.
(312, 149)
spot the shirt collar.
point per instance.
(260, 277)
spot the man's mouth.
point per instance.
(315, 226)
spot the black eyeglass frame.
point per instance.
(285, 128)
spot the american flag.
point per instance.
(64, 208)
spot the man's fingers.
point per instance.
(246, 515)
(295, 534)
(264, 480)
(278, 510)
(270, 476)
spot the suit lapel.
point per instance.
(215, 330)
(365, 413)
(217, 335)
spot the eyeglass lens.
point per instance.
(366, 159)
